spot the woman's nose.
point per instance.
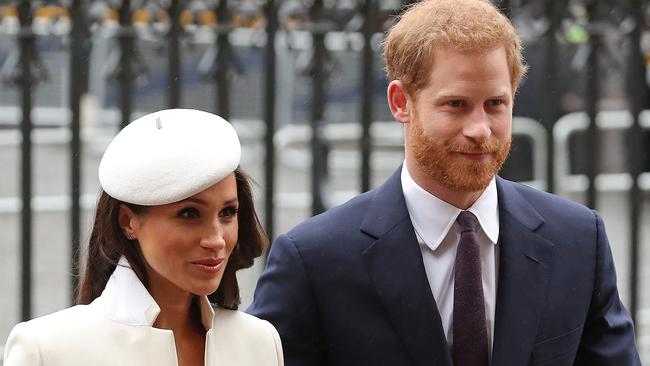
(213, 237)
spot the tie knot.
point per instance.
(467, 221)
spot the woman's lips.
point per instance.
(209, 265)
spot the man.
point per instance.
(445, 263)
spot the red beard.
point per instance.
(440, 160)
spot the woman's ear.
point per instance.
(127, 220)
(399, 101)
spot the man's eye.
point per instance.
(495, 102)
(455, 103)
(229, 212)
(189, 213)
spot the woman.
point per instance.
(174, 222)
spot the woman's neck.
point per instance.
(180, 313)
(177, 309)
(176, 315)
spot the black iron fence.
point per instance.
(587, 56)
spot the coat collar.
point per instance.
(394, 264)
(525, 267)
(127, 301)
(387, 208)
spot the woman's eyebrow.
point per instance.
(231, 201)
(196, 200)
(205, 203)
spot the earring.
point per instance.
(130, 237)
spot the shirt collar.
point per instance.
(432, 217)
(127, 301)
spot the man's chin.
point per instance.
(465, 180)
(467, 187)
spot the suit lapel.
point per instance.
(394, 265)
(525, 264)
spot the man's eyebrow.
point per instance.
(498, 94)
(449, 96)
(503, 95)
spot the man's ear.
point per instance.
(399, 101)
(127, 220)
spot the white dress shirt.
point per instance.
(434, 221)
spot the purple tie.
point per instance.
(470, 346)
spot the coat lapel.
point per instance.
(525, 264)
(394, 265)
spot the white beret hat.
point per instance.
(167, 156)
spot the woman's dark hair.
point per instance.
(108, 243)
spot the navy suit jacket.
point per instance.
(348, 287)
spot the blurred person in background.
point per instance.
(447, 263)
(174, 222)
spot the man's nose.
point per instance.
(477, 126)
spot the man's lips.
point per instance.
(478, 155)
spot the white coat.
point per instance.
(116, 329)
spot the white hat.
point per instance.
(167, 156)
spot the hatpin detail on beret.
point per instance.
(167, 156)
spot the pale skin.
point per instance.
(186, 246)
(469, 98)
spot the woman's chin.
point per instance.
(205, 290)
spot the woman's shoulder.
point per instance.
(27, 340)
(235, 334)
(59, 325)
(246, 327)
(240, 320)
(79, 314)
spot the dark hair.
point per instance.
(108, 243)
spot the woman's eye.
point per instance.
(229, 212)
(189, 213)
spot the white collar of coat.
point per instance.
(127, 301)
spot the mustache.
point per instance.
(486, 147)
